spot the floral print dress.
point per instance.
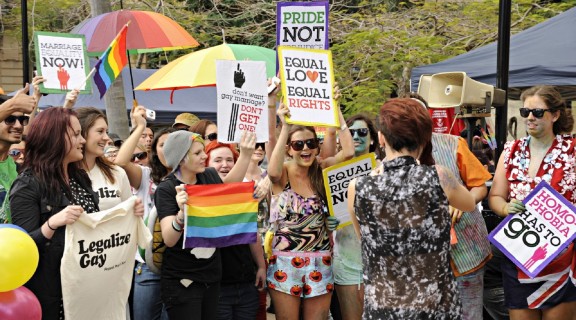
(556, 282)
(405, 231)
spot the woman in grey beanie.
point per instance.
(191, 278)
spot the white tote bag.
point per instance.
(98, 262)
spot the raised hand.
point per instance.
(138, 117)
(239, 77)
(36, 81)
(22, 102)
(247, 143)
(283, 113)
(71, 98)
(63, 77)
(181, 196)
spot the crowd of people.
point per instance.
(416, 248)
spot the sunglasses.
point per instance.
(211, 137)
(15, 153)
(260, 145)
(139, 156)
(11, 120)
(362, 132)
(298, 145)
(537, 113)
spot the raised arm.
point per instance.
(458, 196)
(276, 163)
(134, 171)
(346, 142)
(21, 102)
(272, 99)
(351, 210)
(247, 145)
(71, 98)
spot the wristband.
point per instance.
(343, 127)
(270, 106)
(48, 224)
(175, 226)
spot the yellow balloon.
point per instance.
(18, 258)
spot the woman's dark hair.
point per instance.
(315, 171)
(373, 132)
(200, 127)
(88, 117)
(47, 145)
(159, 171)
(406, 124)
(554, 102)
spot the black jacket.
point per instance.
(30, 209)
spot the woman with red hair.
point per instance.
(405, 223)
(221, 156)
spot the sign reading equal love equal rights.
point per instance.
(308, 86)
(533, 238)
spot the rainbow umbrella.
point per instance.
(198, 69)
(148, 32)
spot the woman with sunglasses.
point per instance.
(548, 154)
(147, 302)
(405, 225)
(301, 247)
(205, 128)
(17, 152)
(347, 263)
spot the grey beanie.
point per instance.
(177, 146)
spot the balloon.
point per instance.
(18, 258)
(8, 225)
(19, 304)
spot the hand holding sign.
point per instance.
(247, 143)
(514, 206)
(283, 113)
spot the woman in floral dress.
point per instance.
(546, 154)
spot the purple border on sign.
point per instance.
(280, 5)
(551, 257)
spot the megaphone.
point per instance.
(456, 89)
(424, 86)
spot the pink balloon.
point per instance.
(19, 304)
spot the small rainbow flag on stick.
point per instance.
(111, 62)
(220, 215)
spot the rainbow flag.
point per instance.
(220, 215)
(111, 62)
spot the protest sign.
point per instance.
(302, 24)
(533, 238)
(336, 180)
(62, 59)
(308, 86)
(242, 99)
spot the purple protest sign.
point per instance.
(302, 24)
(533, 238)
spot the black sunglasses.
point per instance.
(538, 113)
(298, 145)
(211, 137)
(362, 132)
(15, 153)
(139, 156)
(10, 120)
(260, 145)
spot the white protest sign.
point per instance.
(242, 99)
(308, 86)
(62, 59)
(302, 24)
(533, 238)
(336, 180)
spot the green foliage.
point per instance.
(375, 43)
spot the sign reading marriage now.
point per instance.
(533, 238)
(308, 86)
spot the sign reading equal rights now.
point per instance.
(533, 238)
(336, 180)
